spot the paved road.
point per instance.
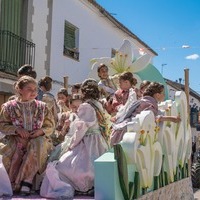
(37, 197)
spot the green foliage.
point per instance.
(126, 187)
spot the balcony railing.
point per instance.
(71, 53)
(15, 51)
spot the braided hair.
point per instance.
(128, 76)
(89, 89)
(46, 82)
(153, 88)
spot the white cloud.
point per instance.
(192, 57)
(185, 46)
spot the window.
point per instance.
(71, 36)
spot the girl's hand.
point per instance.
(174, 119)
(177, 119)
(113, 119)
(23, 133)
(60, 103)
(67, 123)
(36, 133)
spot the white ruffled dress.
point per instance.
(76, 166)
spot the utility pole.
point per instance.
(187, 92)
(162, 67)
(66, 82)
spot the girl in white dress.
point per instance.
(75, 169)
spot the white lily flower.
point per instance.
(124, 61)
(185, 133)
(167, 138)
(144, 150)
(146, 156)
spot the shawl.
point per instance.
(103, 126)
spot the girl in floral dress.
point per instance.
(75, 169)
(28, 125)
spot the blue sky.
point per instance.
(167, 26)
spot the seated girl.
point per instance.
(126, 82)
(153, 94)
(63, 100)
(45, 85)
(75, 168)
(143, 85)
(28, 125)
(107, 85)
(63, 131)
(76, 89)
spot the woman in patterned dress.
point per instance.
(28, 124)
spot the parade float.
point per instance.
(153, 159)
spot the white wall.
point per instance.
(96, 38)
(38, 35)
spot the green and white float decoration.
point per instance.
(156, 154)
(151, 154)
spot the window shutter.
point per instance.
(69, 40)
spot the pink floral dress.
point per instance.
(23, 158)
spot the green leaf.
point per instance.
(156, 183)
(122, 170)
(136, 186)
(92, 61)
(131, 190)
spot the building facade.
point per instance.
(59, 38)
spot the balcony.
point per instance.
(72, 53)
(15, 51)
